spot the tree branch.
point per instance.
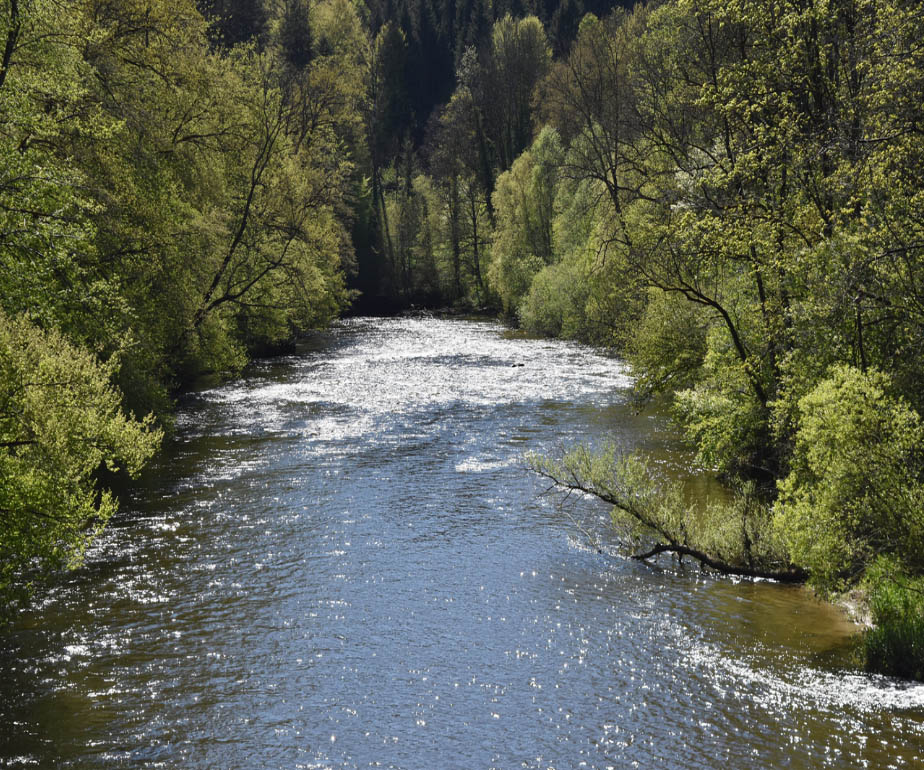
(790, 575)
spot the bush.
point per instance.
(895, 644)
(668, 345)
(554, 305)
(719, 413)
(61, 422)
(854, 491)
(651, 511)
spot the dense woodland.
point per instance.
(730, 194)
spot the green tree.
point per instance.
(47, 254)
(588, 97)
(60, 423)
(386, 123)
(458, 162)
(233, 156)
(855, 491)
(524, 200)
(235, 21)
(652, 515)
(519, 58)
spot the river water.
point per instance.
(340, 562)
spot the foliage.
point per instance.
(60, 422)
(755, 169)
(167, 207)
(46, 231)
(555, 302)
(720, 418)
(519, 57)
(854, 492)
(159, 148)
(668, 347)
(895, 644)
(645, 506)
(524, 200)
(652, 513)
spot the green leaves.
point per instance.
(165, 208)
(757, 182)
(524, 200)
(894, 646)
(652, 512)
(60, 423)
(854, 492)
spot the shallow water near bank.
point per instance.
(341, 562)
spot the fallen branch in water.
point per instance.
(791, 575)
(656, 510)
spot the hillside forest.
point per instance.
(730, 195)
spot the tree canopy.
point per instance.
(729, 193)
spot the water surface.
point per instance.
(342, 563)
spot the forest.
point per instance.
(728, 194)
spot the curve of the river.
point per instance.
(340, 562)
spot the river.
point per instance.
(341, 562)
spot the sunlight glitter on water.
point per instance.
(415, 366)
(345, 545)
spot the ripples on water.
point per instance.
(342, 564)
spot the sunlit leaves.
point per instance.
(60, 422)
(854, 492)
(524, 200)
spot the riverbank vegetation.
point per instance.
(758, 186)
(728, 193)
(168, 203)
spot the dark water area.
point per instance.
(341, 562)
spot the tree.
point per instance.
(524, 201)
(855, 491)
(294, 34)
(456, 166)
(235, 21)
(280, 249)
(47, 254)
(651, 513)
(233, 156)
(588, 97)
(60, 423)
(728, 180)
(386, 123)
(518, 59)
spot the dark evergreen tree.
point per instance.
(235, 21)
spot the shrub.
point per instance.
(554, 305)
(854, 490)
(61, 421)
(895, 644)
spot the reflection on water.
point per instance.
(341, 563)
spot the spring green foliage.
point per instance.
(668, 348)
(854, 493)
(727, 192)
(60, 421)
(718, 412)
(756, 205)
(557, 296)
(167, 207)
(524, 202)
(158, 190)
(648, 510)
(895, 644)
